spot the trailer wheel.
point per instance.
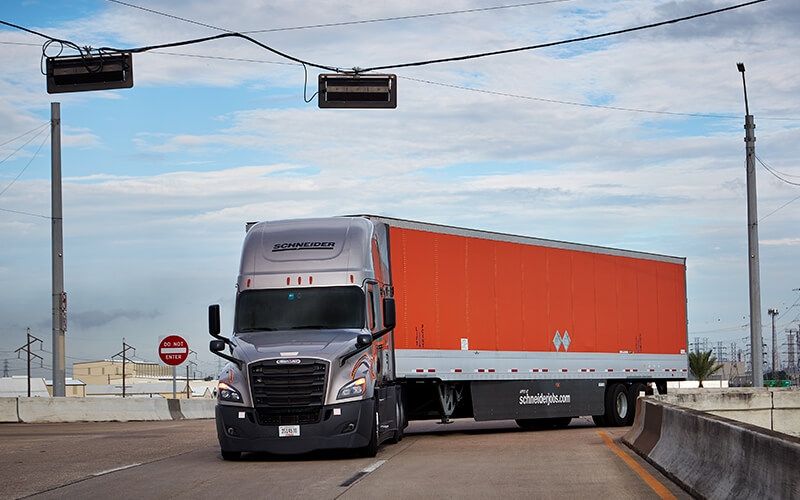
(633, 395)
(617, 408)
(230, 455)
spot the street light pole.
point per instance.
(59, 298)
(756, 351)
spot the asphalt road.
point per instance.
(464, 460)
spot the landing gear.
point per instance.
(449, 396)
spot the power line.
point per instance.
(770, 170)
(562, 42)
(780, 207)
(570, 103)
(27, 165)
(24, 213)
(345, 23)
(390, 66)
(42, 126)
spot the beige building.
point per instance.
(107, 372)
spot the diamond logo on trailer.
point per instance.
(566, 340)
(559, 340)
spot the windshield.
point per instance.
(300, 308)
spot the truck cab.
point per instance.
(311, 355)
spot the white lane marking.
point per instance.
(374, 466)
(109, 471)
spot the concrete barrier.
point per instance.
(715, 457)
(8, 410)
(198, 408)
(774, 408)
(42, 410)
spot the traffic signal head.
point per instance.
(354, 91)
(89, 72)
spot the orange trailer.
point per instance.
(484, 317)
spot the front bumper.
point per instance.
(347, 425)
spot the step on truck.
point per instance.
(346, 328)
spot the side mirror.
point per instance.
(217, 346)
(389, 314)
(363, 340)
(213, 320)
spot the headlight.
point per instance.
(353, 388)
(228, 393)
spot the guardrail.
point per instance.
(42, 410)
(715, 457)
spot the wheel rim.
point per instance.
(622, 405)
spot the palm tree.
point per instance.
(703, 365)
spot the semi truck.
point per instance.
(345, 328)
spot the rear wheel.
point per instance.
(617, 408)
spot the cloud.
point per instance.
(781, 242)
(96, 318)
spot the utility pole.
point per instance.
(123, 353)
(776, 360)
(752, 241)
(27, 348)
(59, 297)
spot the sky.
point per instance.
(633, 141)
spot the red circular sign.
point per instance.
(173, 350)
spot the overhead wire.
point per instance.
(42, 126)
(346, 23)
(561, 42)
(775, 174)
(357, 70)
(28, 164)
(570, 103)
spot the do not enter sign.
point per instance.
(173, 350)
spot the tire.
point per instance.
(633, 395)
(230, 455)
(599, 420)
(371, 449)
(617, 408)
(398, 421)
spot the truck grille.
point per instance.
(288, 394)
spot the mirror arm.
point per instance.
(238, 362)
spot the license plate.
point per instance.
(288, 431)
